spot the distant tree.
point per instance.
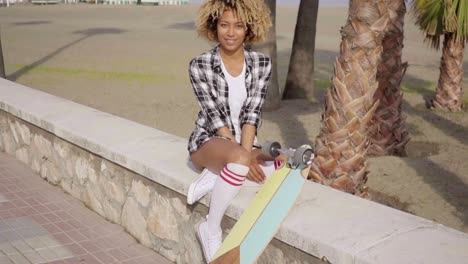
(300, 80)
(450, 19)
(2, 64)
(273, 98)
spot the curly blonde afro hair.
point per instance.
(253, 13)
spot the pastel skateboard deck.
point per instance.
(262, 218)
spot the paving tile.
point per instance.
(4, 226)
(39, 223)
(34, 257)
(89, 234)
(64, 215)
(56, 262)
(41, 209)
(19, 222)
(10, 195)
(30, 201)
(6, 214)
(147, 260)
(50, 241)
(90, 259)
(76, 249)
(52, 217)
(5, 260)
(104, 257)
(18, 212)
(90, 246)
(62, 252)
(75, 224)
(7, 205)
(104, 244)
(10, 235)
(7, 249)
(35, 243)
(47, 254)
(137, 250)
(52, 207)
(18, 259)
(73, 260)
(64, 226)
(62, 238)
(39, 219)
(76, 236)
(51, 228)
(27, 232)
(21, 246)
(117, 254)
(30, 210)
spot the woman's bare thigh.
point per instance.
(216, 153)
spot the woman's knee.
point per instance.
(240, 156)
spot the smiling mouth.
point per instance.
(230, 41)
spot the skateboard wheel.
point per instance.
(271, 148)
(303, 154)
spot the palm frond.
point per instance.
(462, 16)
(429, 16)
(437, 17)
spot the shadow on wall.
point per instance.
(87, 33)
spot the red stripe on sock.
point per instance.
(232, 175)
(228, 181)
(230, 171)
(278, 164)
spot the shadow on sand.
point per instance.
(446, 183)
(31, 23)
(87, 33)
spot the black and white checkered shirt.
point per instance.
(211, 90)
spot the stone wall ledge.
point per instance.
(325, 223)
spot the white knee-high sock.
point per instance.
(227, 186)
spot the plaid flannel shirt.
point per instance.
(211, 91)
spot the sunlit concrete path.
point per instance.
(39, 223)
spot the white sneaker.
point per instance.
(210, 243)
(203, 185)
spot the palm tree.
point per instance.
(450, 19)
(273, 98)
(388, 132)
(342, 143)
(300, 80)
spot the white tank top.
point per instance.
(237, 96)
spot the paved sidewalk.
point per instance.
(39, 223)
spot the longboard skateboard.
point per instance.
(262, 218)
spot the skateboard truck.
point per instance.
(296, 157)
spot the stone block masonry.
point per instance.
(137, 177)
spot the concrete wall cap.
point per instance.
(324, 222)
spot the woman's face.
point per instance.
(231, 31)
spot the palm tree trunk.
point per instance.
(300, 80)
(273, 97)
(342, 143)
(2, 64)
(449, 93)
(387, 131)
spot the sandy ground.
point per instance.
(132, 61)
